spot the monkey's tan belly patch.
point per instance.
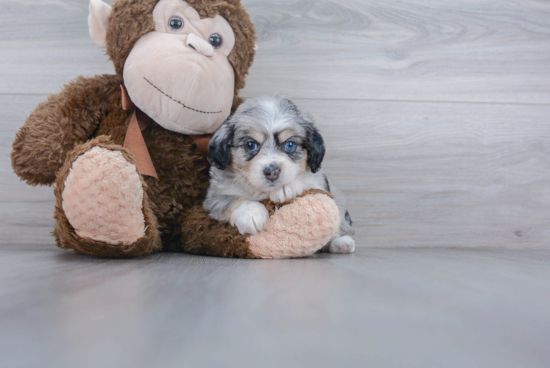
(103, 198)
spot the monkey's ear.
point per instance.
(98, 21)
(315, 147)
(219, 153)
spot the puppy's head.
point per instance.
(269, 142)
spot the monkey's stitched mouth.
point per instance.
(181, 103)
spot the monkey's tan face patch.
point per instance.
(179, 74)
(166, 16)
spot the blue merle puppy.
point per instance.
(268, 149)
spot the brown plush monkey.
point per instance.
(126, 153)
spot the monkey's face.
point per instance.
(180, 74)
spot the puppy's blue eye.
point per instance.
(290, 146)
(251, 146)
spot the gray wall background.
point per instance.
(436, 114)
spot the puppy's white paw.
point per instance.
(287, 192)
(342, 245)
(250, 217)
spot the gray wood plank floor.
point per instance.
(436, 121)
(376, 308)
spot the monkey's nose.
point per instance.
(200, 45)
(272, 172)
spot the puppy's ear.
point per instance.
(315, 146)
(219, 153)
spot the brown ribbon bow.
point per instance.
(135, 143)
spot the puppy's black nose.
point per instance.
(272, 172)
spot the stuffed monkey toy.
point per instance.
(126, 152)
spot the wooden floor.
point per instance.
(436, 116)
(376, 308)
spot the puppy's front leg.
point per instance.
(287, 192)
(250, 217)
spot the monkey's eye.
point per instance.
(290, 146)
(251, 146)
(175, 23)
(215, 40)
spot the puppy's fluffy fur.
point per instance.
(268, 149)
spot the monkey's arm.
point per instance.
(201, 234)
(65, 119)
(297, 228)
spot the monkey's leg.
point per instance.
(297, 229)
(101, 203)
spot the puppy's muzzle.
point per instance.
(272, 172)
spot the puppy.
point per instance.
(268, 149)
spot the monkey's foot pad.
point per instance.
(103, 198)
(297, 229)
